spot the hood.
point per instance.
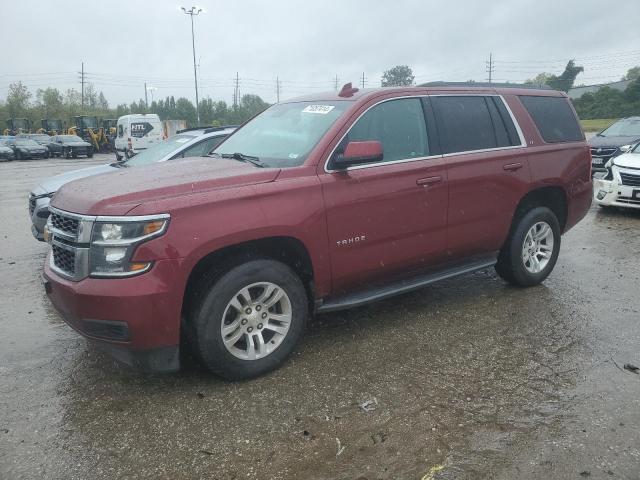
(53, 184)
(628, 160)
(118, 192)
(596, 141)
(76, 144)
(5, 149)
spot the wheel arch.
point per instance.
(554, 197)
(289, 250)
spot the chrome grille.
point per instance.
(66, 224)
(603, 152)
(630, 179)
(64, 259)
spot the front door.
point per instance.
(387, 217)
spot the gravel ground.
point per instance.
(469, 378)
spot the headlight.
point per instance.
(113, 243)
(625, 148)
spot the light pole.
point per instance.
(193, 11)
(151, 89)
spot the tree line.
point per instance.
(64, 105)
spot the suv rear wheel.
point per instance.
(531, 251)
(247, 321)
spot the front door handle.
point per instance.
(512, 167)
(425, 182)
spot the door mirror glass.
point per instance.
(357, 153)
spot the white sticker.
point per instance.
(321, 109)
(182, 140)
(293, 155)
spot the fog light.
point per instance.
(601, 194)
(114, 255)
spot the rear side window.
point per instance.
(464, 123)
(554, 118)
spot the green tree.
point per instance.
(50, 102)
(18, 98)
(398, 76)
(185, 110)
(565, 81)
(632, 74)
(540, 79)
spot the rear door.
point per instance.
(386, 217)
(486, 168)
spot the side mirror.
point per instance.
(357, 153)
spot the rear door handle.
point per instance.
(512, 167)
(428, 181)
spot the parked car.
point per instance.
(195, 142)
(136, 133)
(620, 185)
(6, 152)
(69, 146)
(25, 148)
(41, 139)
(317, 204)
(614, 140)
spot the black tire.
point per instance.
(511, 265)
(210, 300)
(90, 155)
(65, 153)
(18, 155)
(118, 156)
(74, 155)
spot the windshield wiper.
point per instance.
(243, 158)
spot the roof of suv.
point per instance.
(364, 93)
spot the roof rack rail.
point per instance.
(485, 84)
(207, 129)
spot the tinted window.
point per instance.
(398, 124)
(464, 123)
(554, 118)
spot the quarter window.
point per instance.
(554, 118)
(464, 123)
(398, 124)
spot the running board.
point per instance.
(351, 300)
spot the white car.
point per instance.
(619, 186)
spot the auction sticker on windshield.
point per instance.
(321, 109)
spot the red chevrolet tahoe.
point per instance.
(317, 204)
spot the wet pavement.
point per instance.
(469, 378)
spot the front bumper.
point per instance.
(611, 193)
(136, 319)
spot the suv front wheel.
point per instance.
(531, 252)
(247, 321)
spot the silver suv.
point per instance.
(196, 142)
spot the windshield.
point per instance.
(25, 142)
(159, 150)
(40, 138)
(627, 127)
(283, 135)
(70, 138)
(89, 122)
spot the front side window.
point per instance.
(285, 134)
(464, 123)
(398, 124)
(120, 130)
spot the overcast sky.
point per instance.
(306, 43)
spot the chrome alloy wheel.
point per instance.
(537, 247)
(256, 321)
